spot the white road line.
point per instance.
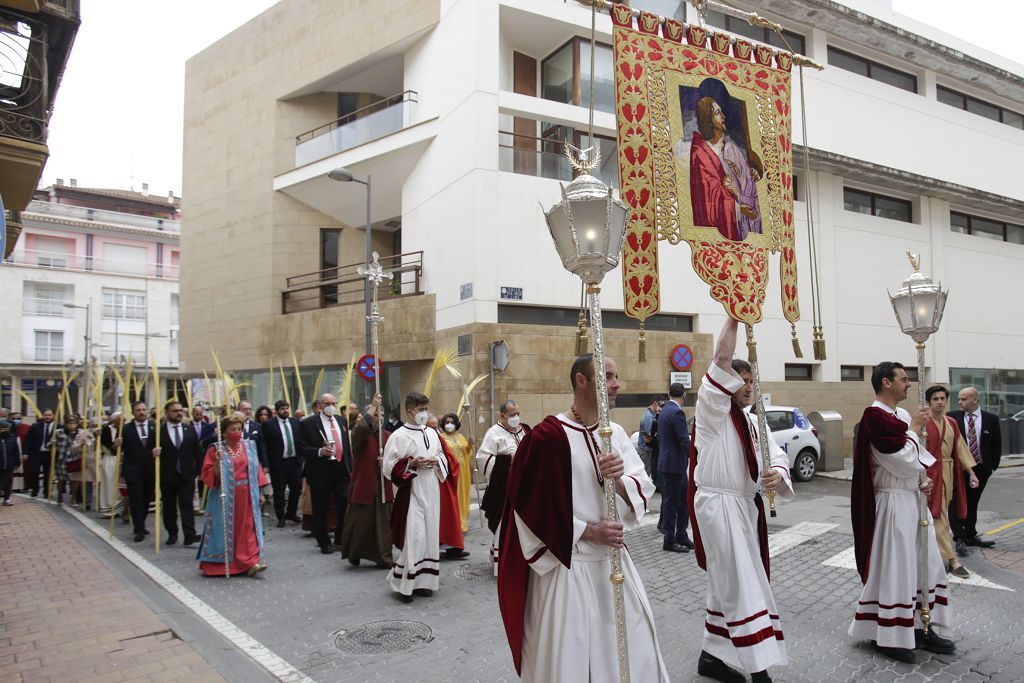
(784, 540)
(276, 666)
(847, 560)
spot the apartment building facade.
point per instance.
(457, 112)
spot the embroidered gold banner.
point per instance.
(705, 157)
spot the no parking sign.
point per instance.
(367, 367)
(681, 357)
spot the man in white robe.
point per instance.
(553, 584)
(742, 629)
(496, 451)
(416, 464)
(888, 472)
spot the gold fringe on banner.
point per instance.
(642, 357)
(819, 344)
(796, 342)
(581, 334)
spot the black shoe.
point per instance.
(404, 598)
(760, 677)
(961, 549)
(189, 540)
(686, 543)
(171, 540)
(354, 561)
(138, 538)
(35, 493)
(146, 532)
(293, 518)
(280, 524)
(327, 549)
(900, 654)
(933, 642)
(675, 548)
(978, 543)
(455, 554)
(715, 668)
(422, 592)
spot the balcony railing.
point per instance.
(373, 121)
(343, 285)
(97, 264)
(545, 157)
(99, 215)
(46, 308)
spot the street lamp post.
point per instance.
(83, 400)
(343, 175)
(919, 305)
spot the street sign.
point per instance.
(366, 367)
(681, 357)
(512, 293)
(684, 378)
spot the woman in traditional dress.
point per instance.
(68, 457)
(366, 534)
(237, 548)
(462, 448)
(85, 449)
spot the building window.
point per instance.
(175, 311)
(465, 344)
(872, 204)
(543, 315)
(565, 75)
(873, 70)
(799, 372)
(986, 227)
(979, 107)
(851, 373)
(49, 346)
(124, 305)
(47, 300)
(670, 9)
(53, 252)
(762, 35)
(330, 255)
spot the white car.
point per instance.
(795, 435)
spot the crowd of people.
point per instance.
(396, 493)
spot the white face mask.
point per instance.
(421, 417)
(449, 427)
(329, 411)
(513, 421)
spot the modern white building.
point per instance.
(95, 273)
(457, 111)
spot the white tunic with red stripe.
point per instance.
(742, 626)
(569, 623)
(886, 611)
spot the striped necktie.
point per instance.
(972, 438)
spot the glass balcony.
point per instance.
(375, 121)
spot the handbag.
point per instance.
(75, 465)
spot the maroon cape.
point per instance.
(366, 477)
(403, 482)
(742, 427)
(450, 532)
(888, 434)
(935, 440)
(540, 492)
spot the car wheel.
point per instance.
(805, 465)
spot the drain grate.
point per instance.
(382, 637)
(478, 571)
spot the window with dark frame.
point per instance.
(670, 9)
(797, 42)
(799, 372)
(565, 75)
(851, 373)
(330, 243)
(986, 227)
(880, 205)
(871, 69)
(980, 107)
(545, 315)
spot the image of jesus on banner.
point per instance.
(724, 169)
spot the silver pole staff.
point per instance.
(471, 416)
(762, 423)
(375, 274)
(924, 521)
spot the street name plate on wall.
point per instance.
(684, 378)
(466, 291)
(512, 293)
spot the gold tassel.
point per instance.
(581, 334)
(796, 342)
(643, 344)
(819, 344)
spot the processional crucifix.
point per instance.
(376, 274)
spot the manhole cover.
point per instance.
(479, 571)
(382, 637)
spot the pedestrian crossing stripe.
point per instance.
(847, 560)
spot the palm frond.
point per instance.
(467, 391)
(345, 386)
(298, 379)
(316, 386)
(447, 358)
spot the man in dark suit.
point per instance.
(324, 445)
(251, 430)
(37, 448)
(980, 430)
(673, 459)
(178, 455)
(280, 440)
(137, 467)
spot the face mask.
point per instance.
(421, 417)
(449, 427)
(329, 411)
(16, 422)
(233, 437)
(513, 421)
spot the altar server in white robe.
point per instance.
(888, 468)
(556, 599)
(416, 464)
(742, 628)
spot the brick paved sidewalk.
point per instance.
(64, 616)
(1008, 552)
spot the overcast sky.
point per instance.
(118, 115)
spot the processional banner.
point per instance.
(705, 157)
